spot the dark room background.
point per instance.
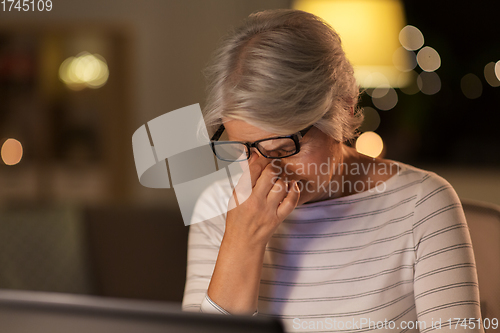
(73, 216)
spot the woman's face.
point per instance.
(315, 167)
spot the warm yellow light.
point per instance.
(497, 69)
(404, 60)
(372, 79)
(429, 83)
(369, 144)
(12, 152)
(85, 70)
(428, 59)
(411, 38)
(370, 35)
(384, 99)
(412, 88)
(490, 76)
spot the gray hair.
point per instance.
(282, 71)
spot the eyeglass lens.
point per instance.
(228, 151)
(276, 148)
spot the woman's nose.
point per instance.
(256, 157)
(255, 151)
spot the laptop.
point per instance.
(45, 312)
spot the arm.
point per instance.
(445, 278)
(254, 214)
(227, 264)
(203, 245)
(236, 278)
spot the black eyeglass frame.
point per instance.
(295, 137)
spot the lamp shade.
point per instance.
(369, 30)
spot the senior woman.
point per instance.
(328, 239)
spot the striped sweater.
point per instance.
(398, 257)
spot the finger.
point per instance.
(243, 188)
(266, 181)
(247, 181)
(255, 168)
(233, 201)
(277, 193)
(289, 203)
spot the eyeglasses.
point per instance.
(276, 147)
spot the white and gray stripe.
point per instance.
(403, 254)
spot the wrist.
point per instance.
(246, 247)
(236, 278)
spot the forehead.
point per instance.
(239, 130)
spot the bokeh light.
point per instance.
(490, 76)
(369, 144)
(428, 59)
(409, 57)
(369, 31)
(497, 69)
(384, 98)
(429, 83)
(371, 120)
(412, 87)
(374, 79)
(380, 91)
(84, 70)
(411, 38)
(471, 86)
(12, 152)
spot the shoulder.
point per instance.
(437, 207)
(431, 192)
(431, 186)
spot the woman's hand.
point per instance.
(260, 202)
(250, 223)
